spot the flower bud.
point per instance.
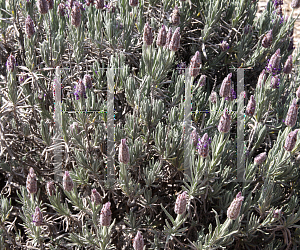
(87, 80)
(226, 86)
(50, 4)
(262, 78)
(37, 217)
(195, 64)
(235, 207)
(203, 146)
(175, 41)
(148, 36)
(260, 159)
(180, 205)
(124, 156)
(29, 27)
(275, 80)
(80, 90)
(162, 36)
(224, 124)
(76, 15)
(224, 46)
(138, 241)
(169, 37)
(194, 137)
(213, 97)
(133, 3)
(51, 188)
(295, 4)
(291, 140)
(42, 6)
(105, 216)
(11, 63)
(267, 40)
(31, 183)
(291, 117)
(288, 66)
(176, 16)
(298, 93)
(67, 182)
(61, 10)
(250, 109)
(99, 4)
(96, 197)
(274, 63)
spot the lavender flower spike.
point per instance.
(138, 241)
(291, 140)
(11, 63)
(260, 159)
(213, 97)
(61, 10)
(29, 27)
(99, 4)
(105, 216)
(275, 81)
(175, 41)
(226, 86)
(176, 16)
(42, 6)
(50, 4)
(203, 146)
(267, 40)
(195, 64)
(148, 36)
(235, 207)
(169, 37)
(50, 188)
(87, 81)
(288, 66)
(162, 36)
(31, 183)
(194, 137)
(80, 90)
(67, 182)
(124, 155)
(96, 197)
(262, 78)
(224, 124)
(76, 15)
(295, 4)
(251, 106)
(37, 217)
(291, 117)
(180, 205)
(274, 63)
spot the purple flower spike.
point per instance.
(226, 86)
(203, 148)
(105, 216)
(175, 41)
(80, 90)
(29, 27)
(138, 241)
(37, 217)
(180, 204)
(67, 182)
(162, 37)
(195, 64)
(274, 63)
(235, 207)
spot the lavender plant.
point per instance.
(120, 123)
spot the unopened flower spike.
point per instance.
(292, 114)
(288, 66)
(175, 41)
(138, 241)
(224, 124)
(169, 37)
(260, 159)
(267, 40)
(235, 207)
(67, 182)
(195, 64)
(29, 27)
(80, 90)
(162, 36)
(61, 10)
(31, 183)
(11, 63)
(37, 217)
(50, 4)
(176, 16)
(105, 216)
(213, 97)
(99, 4)
(148, 36)
(76, 15)
(203, 146)
(96, 197)
(124, 156)
(51, 188)
(42, 6)
(180, 204)
(291, 140)
(250, 109)
(87, 81)
(274, 63)
(262, 78)
(194, 137)
(226, 86)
